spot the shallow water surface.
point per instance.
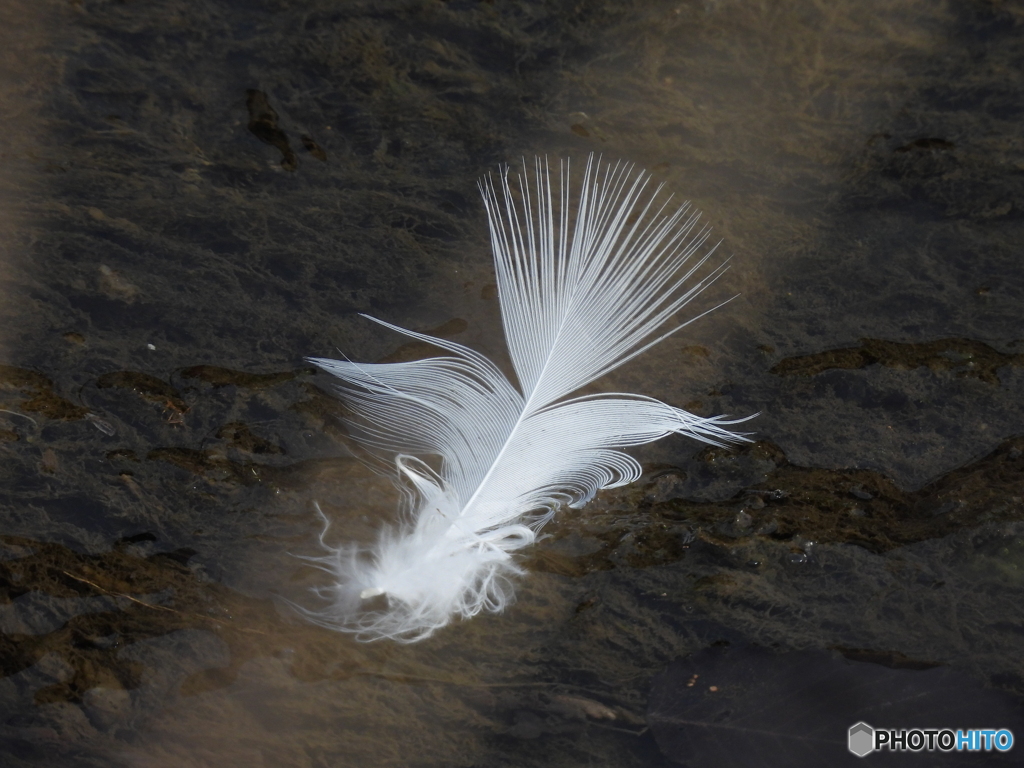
(196, 195)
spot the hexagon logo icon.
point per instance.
(861, 739)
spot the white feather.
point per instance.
(584, 285)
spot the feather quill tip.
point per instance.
(405, 588)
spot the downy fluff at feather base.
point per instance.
(589, 277)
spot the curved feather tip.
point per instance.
(589, 276)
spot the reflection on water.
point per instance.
(194, 198)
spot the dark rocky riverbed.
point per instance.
(196, 195)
